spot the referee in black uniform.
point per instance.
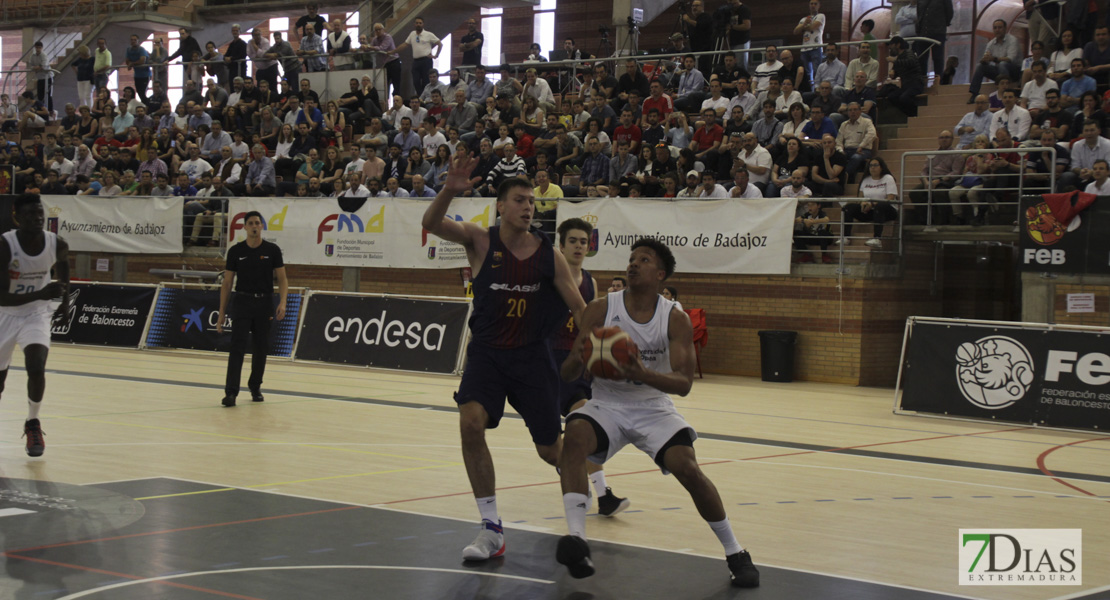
(251, 264)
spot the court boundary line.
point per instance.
(802, 447)
(616, 543)
(166, 578)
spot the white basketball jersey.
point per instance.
(655, 352)
(27, 273)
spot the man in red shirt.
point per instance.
(707, 139)
(628, 131)
(658, 100)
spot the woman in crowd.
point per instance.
(440, 164)
(1067, 50)
(879, 192)
(785, 165)
(83, 66)
(88, 128)
(332, 171)
(334, 124)
(794, 124)
(593, 130)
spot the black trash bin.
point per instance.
(776, 355)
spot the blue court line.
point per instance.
(319, 550)
(361, 544)
(278, 557)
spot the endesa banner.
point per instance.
(377, 331)
(384, 232)
(106, 314)
(120, 225)
(187, 318)
(716, 236)
(1026, 374)
(1065, 233)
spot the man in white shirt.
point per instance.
(431, 138)
(1100, 186)
(770, 66)
(1033, 94)
(422, 42)
(195, 166)
(757, 160)
(355, 189)
(1014, 118)
(797, 187)
(692, 189)
(715, 100)
(709, 186)
(1085, 152)
(742, 187)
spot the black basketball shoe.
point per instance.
(574, 552)
(36, 444)
(744, 573)
(609, 504)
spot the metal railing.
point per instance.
(1021, 188)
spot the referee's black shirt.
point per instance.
(254, 266)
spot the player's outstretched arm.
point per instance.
(683, 360)
(52, 290)
(458, 181)
(592, 316)
(564, 282)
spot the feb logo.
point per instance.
(993, 372)
(1043, 226)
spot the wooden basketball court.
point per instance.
(349, 482)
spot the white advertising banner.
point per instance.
(384, 232)
(740, 236)
(120, 224)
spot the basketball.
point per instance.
(606, 350)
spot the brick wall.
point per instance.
(1099, 318)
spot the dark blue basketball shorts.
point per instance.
(526, 376)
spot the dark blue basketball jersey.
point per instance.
(566, 334)
(515, 301)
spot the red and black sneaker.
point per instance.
(36, 444)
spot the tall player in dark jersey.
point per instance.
(522, 290)
(574, 242)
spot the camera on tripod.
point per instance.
(604, 31)
(722, 19)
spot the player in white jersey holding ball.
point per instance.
(638, 410)
(29, 253)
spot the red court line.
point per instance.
(193, 528)
(1044, 469)
(513, 487)
(938, 437)
(126, 576)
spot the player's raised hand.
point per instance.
(458, 174)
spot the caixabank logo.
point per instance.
(1008, 557)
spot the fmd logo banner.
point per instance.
(1007, 557)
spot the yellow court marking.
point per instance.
(185, 494)
(255, 439)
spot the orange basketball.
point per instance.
(606, 350)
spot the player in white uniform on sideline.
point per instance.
(638, 410)
(28, 253)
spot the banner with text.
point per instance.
(119, 225)
(106, 314)
(187, 318)
(376, 331)
(717, 236)
(384, 232)
(1053, 377)
(1062, 233)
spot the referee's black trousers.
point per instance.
(251, 317)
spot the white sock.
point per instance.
(576, 507)
(723, 529)
(488, 508)
(33, 409)
(598, 480)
